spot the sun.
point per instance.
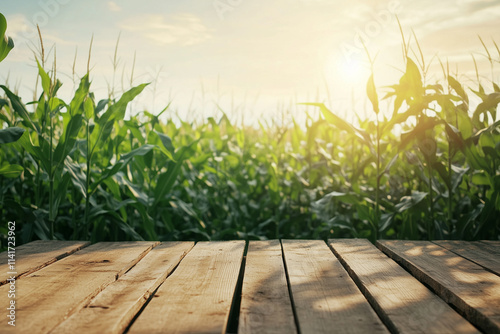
(347, 71)
(352, 71)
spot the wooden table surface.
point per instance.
(288, 286)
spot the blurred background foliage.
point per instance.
(429, 168)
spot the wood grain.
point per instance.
(197, 297)
(474, 291)
(325, 297)
(491, 245)
(45, 298)
(404, 304)
(474, 251)
(265, 301)
(112, 310)
(35, 255)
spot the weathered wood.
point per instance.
(491, 245)
(112, 310)
(265, 301)
(325, 298)
(45, 298)
(404, 304)
(35, 255)
(473, 251)
(102, 288)
(197, 297)
(474, 291)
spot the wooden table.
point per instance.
(288, 286)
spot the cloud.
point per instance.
(472, 6)
(183, 29)
(113, 6)
(22, 30)
(463, 13)
(17, 25)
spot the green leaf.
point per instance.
(481, 179)
(88, 107)
(68, 139)
(389, 165)
(475, 159)
(3, 25)
(101, 105)
(6, 43)
(457, 176)
(490, 104)
(129, 230)
(397, 118)
(19, 107)
(457, 87)
(443, 172)
(37, 153)
(232, 161)
(79, 98)
(342, 125)
(343, 197)
(386, 220)
(418, 134)
(312, 133)
(240, 138)
(61, 186)
(125, 159)
(334, 119)
(45, 79)
(11, 171)
(408, 202)
(10, 135)
(167, 180)
(413, 78)
(167, 144)
(464, 124)
(371, 91)
(117, 110)
(77, 176)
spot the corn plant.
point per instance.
(83, 170)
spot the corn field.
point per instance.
(80, 169)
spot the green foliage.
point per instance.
(12, 134)
(6, 43)
(82, 170)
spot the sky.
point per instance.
(252, 59)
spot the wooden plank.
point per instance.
(404, 304)
(492, 246)
(197, 297)
(112, 310)
(35, 255)
(474, 291)
(473, 251)
(324, 296)
(265, 301)
(45, 298)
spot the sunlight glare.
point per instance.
(353, 71)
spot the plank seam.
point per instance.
(466, 258)
(448, 296)
(235, 309)
(87, 300)
(153, 293)
(374, 304)
(289, 286)
(40, 267)
(139, 258)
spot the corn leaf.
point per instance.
(10, 135)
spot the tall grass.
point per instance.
(81, 170)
